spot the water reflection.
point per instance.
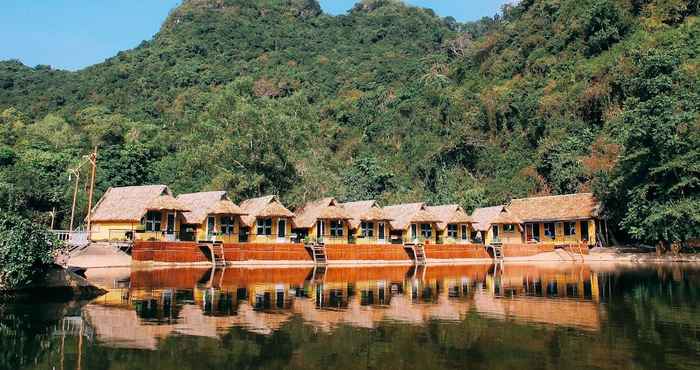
(568, 316)
(203, 302)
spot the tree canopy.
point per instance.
(386, 101)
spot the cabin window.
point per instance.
(569, 228)
(367, 229)
(265, 226)
(509, 228)
(426, 231)
(336, 228)
(549, 230)
(153, 221)
(227, 224)
(452, 231)
(465, 232)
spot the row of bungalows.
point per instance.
(263, 228)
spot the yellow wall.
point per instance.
(357, 233)
(443, 235)
(116, 231)
(407, 238)
(253, 236)
(327, 231)
(519, 235)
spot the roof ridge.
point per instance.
(553, 196)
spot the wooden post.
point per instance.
(93, 161)
(53, 217)
(75, 195)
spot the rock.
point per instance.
(58, 285)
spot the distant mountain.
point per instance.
(388, 101)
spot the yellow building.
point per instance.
(368, 223)
(324, 221)
(212, 216)
(559, 219)
(455, 224)
(137, 213)
(412, 223)
(267, 220)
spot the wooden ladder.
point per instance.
(497, 251)
(419, 254)
(319, 253)
(218, 258)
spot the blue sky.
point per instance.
(73, 34)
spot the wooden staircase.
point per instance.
(418, 250)
(218, 258)
(497, 251)
(318, 251)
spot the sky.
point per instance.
(73, 34)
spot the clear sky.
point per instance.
(72, 34)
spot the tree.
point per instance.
(26, 250)
(655, 189)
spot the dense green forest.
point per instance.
(387, 101)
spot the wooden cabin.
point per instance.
(267, 220)
(324, 220)
(368, 223)
(482, 219)
(412, 223)
(455, 224)
(559, 219)
(212, 216)
(137, 213)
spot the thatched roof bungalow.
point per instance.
(124, 212)
(455, 223)
(211, 213)
(413, 220)
(368, 220)
(323, 219)
(266, 219)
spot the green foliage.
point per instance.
(26, 249)
(387, 101)
(367, 179)
(657, 180)
(605, 26)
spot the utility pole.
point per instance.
(75, 172)
(93, 162)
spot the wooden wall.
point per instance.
(190, 252)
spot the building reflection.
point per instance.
(154, 304)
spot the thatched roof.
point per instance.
(366, 210)
(555, 208)
(322, 209)
(506, 217)
(483, 217)
(129, 204)
(208, 203)
(403, 215)
(450, 214)
(267, 206)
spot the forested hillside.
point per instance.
(388, 101)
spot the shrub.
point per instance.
(26, 250)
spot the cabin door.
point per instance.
(211, 224)
(495, 233)
(170, 228)
(381, 232)
(320, 229)
(281, 229)
(584, 231)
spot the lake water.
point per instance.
(438, 317)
